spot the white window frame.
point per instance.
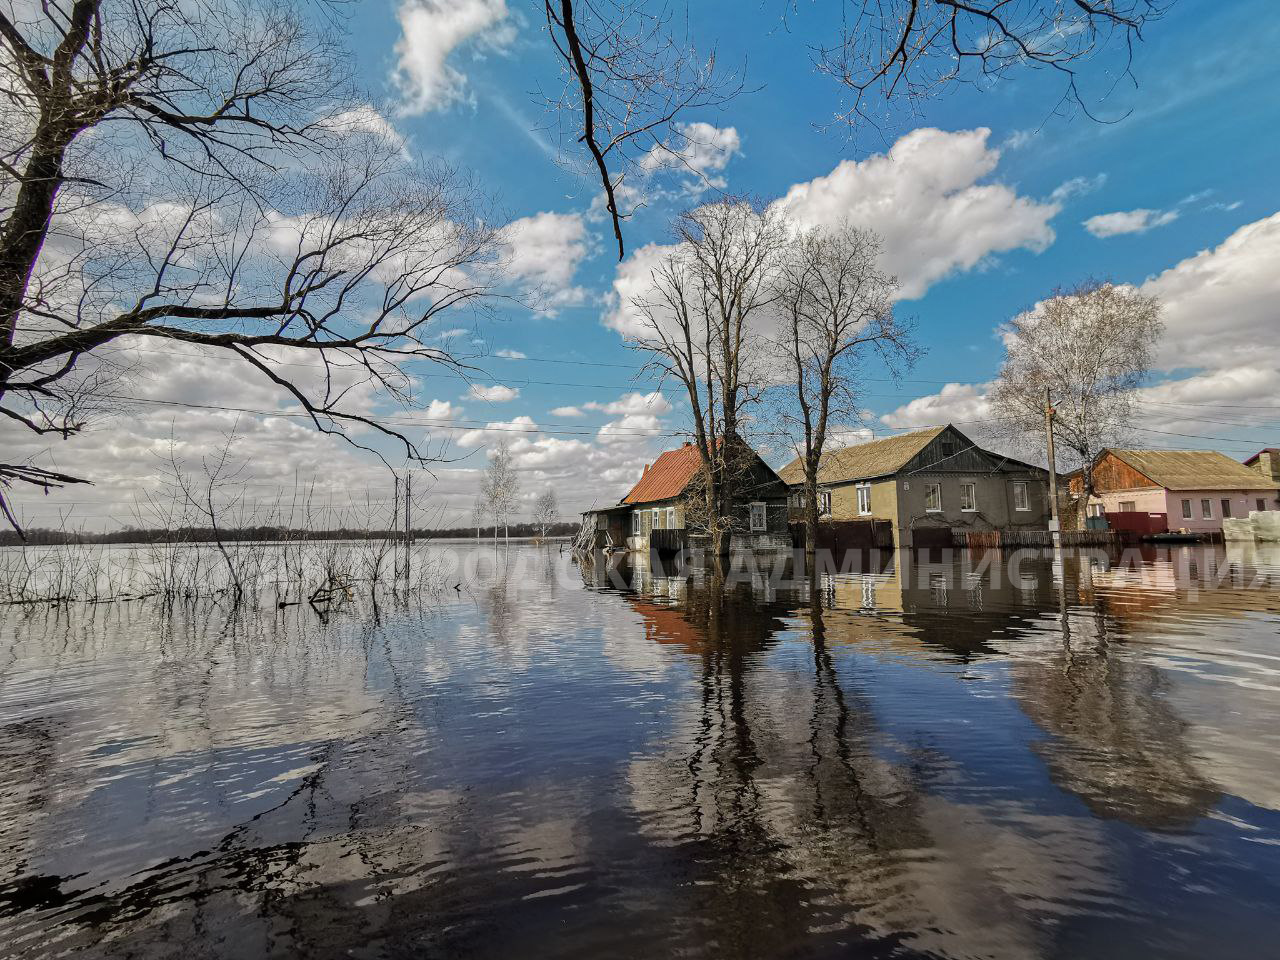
(1021, 504)
(824, 503)
(1128, 506)
(971, 489)
(1226, 508)
(671, 518)
(930, 488)
(864, 499)
(635, 523)
(764, 516)
(1187, 512)
(1206, 508)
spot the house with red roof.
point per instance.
(664, 499)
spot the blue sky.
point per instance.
(1190, 154)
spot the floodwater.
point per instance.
(968, 757)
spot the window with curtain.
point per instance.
(1021, 501)
(968, 497)
(933, 497)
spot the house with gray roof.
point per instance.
(926, 482)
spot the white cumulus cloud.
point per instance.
(543, 252)
(1128, 221)
(929, 201)
(498, 393)
(700, 149)
(628, 403)
(430, 31)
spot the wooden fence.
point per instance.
(837, 535)
(994, 539)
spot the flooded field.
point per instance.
(961, 757)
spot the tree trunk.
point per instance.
(810, 522)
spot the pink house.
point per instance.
(1195, 488)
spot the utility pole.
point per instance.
(395, 525)
(408, 529)
(1054, 523)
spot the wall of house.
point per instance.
(994, 508)
(884, 501)
(776, 515)
(1243, 502)
(1145, 500)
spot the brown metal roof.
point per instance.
(667, 477)
(1193, 470)
(875, 458)
(1254, 458)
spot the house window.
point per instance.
(1226, 508)
(1095, 510)
(1206, 509)
(659, 519)
(824, 502)
(968, 497)
(671, 518)
(635, 523)
(1186, 509)
(1262, 504)
(759, 518)
(1020, 499)
(933, 497)
(1128, 506)
(864, 499)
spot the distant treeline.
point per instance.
(39, 536)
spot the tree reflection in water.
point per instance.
(919, 758)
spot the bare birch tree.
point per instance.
(835, 308)
(500, 487)
(705, 325)
(1090, 347)
(203, 173)
(546, 510)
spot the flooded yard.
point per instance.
(971, 756)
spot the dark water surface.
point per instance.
(931, 760)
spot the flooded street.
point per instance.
(970, 757)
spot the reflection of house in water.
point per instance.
(926, 609)
(777, 789)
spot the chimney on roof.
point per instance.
(688, 443)
(645, 470)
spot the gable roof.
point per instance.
(1254, 459)
(875, 458)
(667, 477)
(1193, 470)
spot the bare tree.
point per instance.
(913, 49)
(500, 487)
(203, 173)
(628, 76)
(835, 312)
(1090, 348)
(704, 324)
(546, 510)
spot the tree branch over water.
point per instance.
(207, 173)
